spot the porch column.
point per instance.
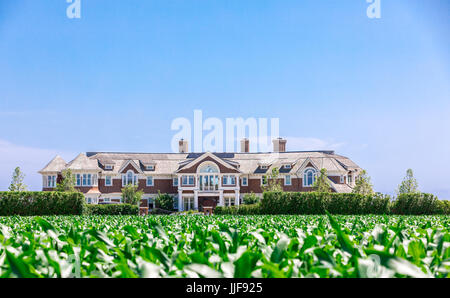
(220, 198)
(236, 193)
(195, 199)
(180, 200)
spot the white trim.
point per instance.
(135, 166)
(242, 181)
(290, 179)
(314, 176)
(110, 180)
(134, 178)
(187, 177)
(203, 156)
(146, 181)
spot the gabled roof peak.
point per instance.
(57, 164)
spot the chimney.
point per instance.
(245, 145)
(279, 145)
(183, 146)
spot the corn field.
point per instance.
(225, 246)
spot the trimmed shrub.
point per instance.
(28, 203)
(113, 209)
(253, 209)
(317, 203)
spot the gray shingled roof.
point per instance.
(169, 163)
(57, 164)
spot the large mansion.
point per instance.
(198, 180)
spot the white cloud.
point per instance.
(29, 159)
(309, 144)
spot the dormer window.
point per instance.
(264, 167)
(150, 168)
(108, 167)
(287, 166)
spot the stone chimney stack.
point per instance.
(245, 145)
(279, 145)
(183, 146)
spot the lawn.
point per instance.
(225, 246)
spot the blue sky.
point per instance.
(376, 90)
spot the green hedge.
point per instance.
(340, 203)
(113, 209)
(317, 203)
(239, 210)
(29, 203)
(419, 204)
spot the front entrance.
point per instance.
(207, 202)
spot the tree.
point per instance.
(17, 181)
(131, 194)
(321, 184)
(363, 185)
(250, 199)
(68, 182)
(164, 201)
(272, 181)
(409, 184)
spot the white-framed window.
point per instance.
(264, 167)
(244, 181)
(188, 180)
(149, 180)
(229, 201)
(229, 180)
(107, 200)
(78, 180)
(287, 166)
(264, 180)
(87, 180)
(129, 178)
(309, 177)
(175, 181)
(108, 167)
(350, 178)
(108, 181)
(188, 203)
(51, 181)
(150, 168)
(287, 180)
(342, 179)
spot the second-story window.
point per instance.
(108, 181)
(188, 180)
(287, 180)
(229, 180)
(87, 179)
(149, 180)
(51, 181)
(244, 181)
(78, 180)
(129, 178)
(175, 181)
(264, 180)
